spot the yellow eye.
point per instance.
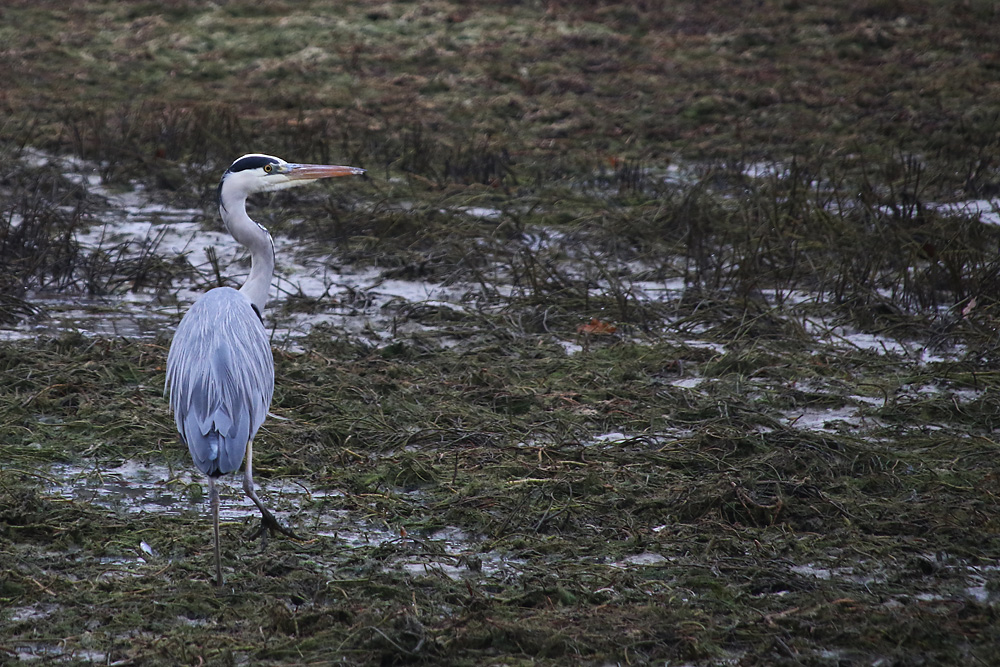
(267, 168)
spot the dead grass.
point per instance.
(727, 477)
(714, 480)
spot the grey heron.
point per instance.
(220, 371)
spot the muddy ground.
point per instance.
(657, 332)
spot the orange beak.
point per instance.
(312, 172)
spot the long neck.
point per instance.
(258, 242)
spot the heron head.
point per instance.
(256, 172)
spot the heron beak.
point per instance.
(312, 172)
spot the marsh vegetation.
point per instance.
(658, 333)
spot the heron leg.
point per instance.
(268, 524)
(213, 494)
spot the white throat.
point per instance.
(257, 240)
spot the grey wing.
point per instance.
(220, 376)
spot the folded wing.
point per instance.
(220, 377)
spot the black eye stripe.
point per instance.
(252, 162)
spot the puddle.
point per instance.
(986, 210)
(645, 441)
(972, 582)
(612, 437)
(35, 612)
(359, 302)
(482, 212)
(434, 569)
(46, 653)
(688, 383)
(847, 574)
(644, 559)
(460, 558)
(828, 420)
(137, 489)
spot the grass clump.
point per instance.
(718, 488)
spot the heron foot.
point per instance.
(269, 526)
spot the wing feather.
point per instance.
(220, 377)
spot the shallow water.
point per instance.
(139, 489)
(359, 302)
(134, 488)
